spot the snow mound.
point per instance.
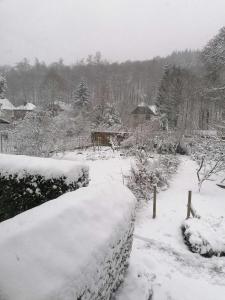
(5, 104)
(28, 106)
(205, 236)
(46, 167)
(74, 247)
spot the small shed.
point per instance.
(107, 136)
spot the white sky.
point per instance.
(120, 29)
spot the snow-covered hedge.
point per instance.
(26, 182)
(149, 172)
(73, 247)
(205, 236)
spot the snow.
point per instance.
(46, 167)
(160, 261)
(153, 108)
(161, 264)
(104, 165)
(206, 235)
(5, 104)
(61, 249)
(28, 106)
(142, 104)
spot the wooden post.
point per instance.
(154, 203)
(189, 204)
(1, 143)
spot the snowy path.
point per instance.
(160, 262)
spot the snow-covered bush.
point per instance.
(26, 182)
(205, 236)
(41, 134)
(31, 135)
(160, 142)
(74, 247)
(3, 87)
(149, 172)
(209, 153)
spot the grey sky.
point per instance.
(120, 29)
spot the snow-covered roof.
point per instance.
(5, 104)
(153, 108)
(28, 106)
(143, 108)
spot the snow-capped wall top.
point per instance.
(47, 167)
(28, 106)
(5, 104)
(60, 248)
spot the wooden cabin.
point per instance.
(141, 114)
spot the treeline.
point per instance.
(196, 100)
(188, 87)
(124, 84)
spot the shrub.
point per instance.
(149, 172)
(205, 236)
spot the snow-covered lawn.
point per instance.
(161, 263)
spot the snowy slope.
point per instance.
(65, 248)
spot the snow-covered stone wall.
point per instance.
(26, 182)
(74, 247)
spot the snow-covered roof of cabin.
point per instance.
(144, 108)
(28, 106)
(5, 104)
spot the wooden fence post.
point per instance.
(154, 203)
(189, 204)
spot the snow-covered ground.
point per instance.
(160, 263)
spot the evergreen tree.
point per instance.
(106, 115)
(213, 56)
(82, 95)
(169, 94)
(3, 87)
(111, 115)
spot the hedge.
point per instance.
(24, 186)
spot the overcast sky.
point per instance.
(120, 29)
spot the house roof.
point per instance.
(143, 108)
(5, 104)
